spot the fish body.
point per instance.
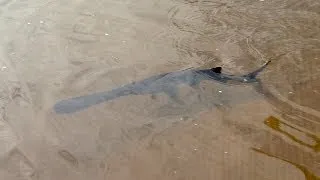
(167, 83)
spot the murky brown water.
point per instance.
(55, 50)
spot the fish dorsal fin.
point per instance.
(216, 69)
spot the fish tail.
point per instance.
(255, 73)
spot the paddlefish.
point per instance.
(164, 83)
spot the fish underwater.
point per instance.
(164, 83)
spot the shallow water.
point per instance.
(56, 50)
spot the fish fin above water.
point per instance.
(216, 69)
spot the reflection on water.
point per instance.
(276, 125)
(308, 174)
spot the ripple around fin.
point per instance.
(66, 155)
(17, 161)
(8, 140)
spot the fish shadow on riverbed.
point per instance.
(164, 83)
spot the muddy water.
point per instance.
(57, 50)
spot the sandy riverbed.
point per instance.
(55, 50)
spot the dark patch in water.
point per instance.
(307, 173)
(276, 125)
(167, 83)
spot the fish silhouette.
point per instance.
(167, 83)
